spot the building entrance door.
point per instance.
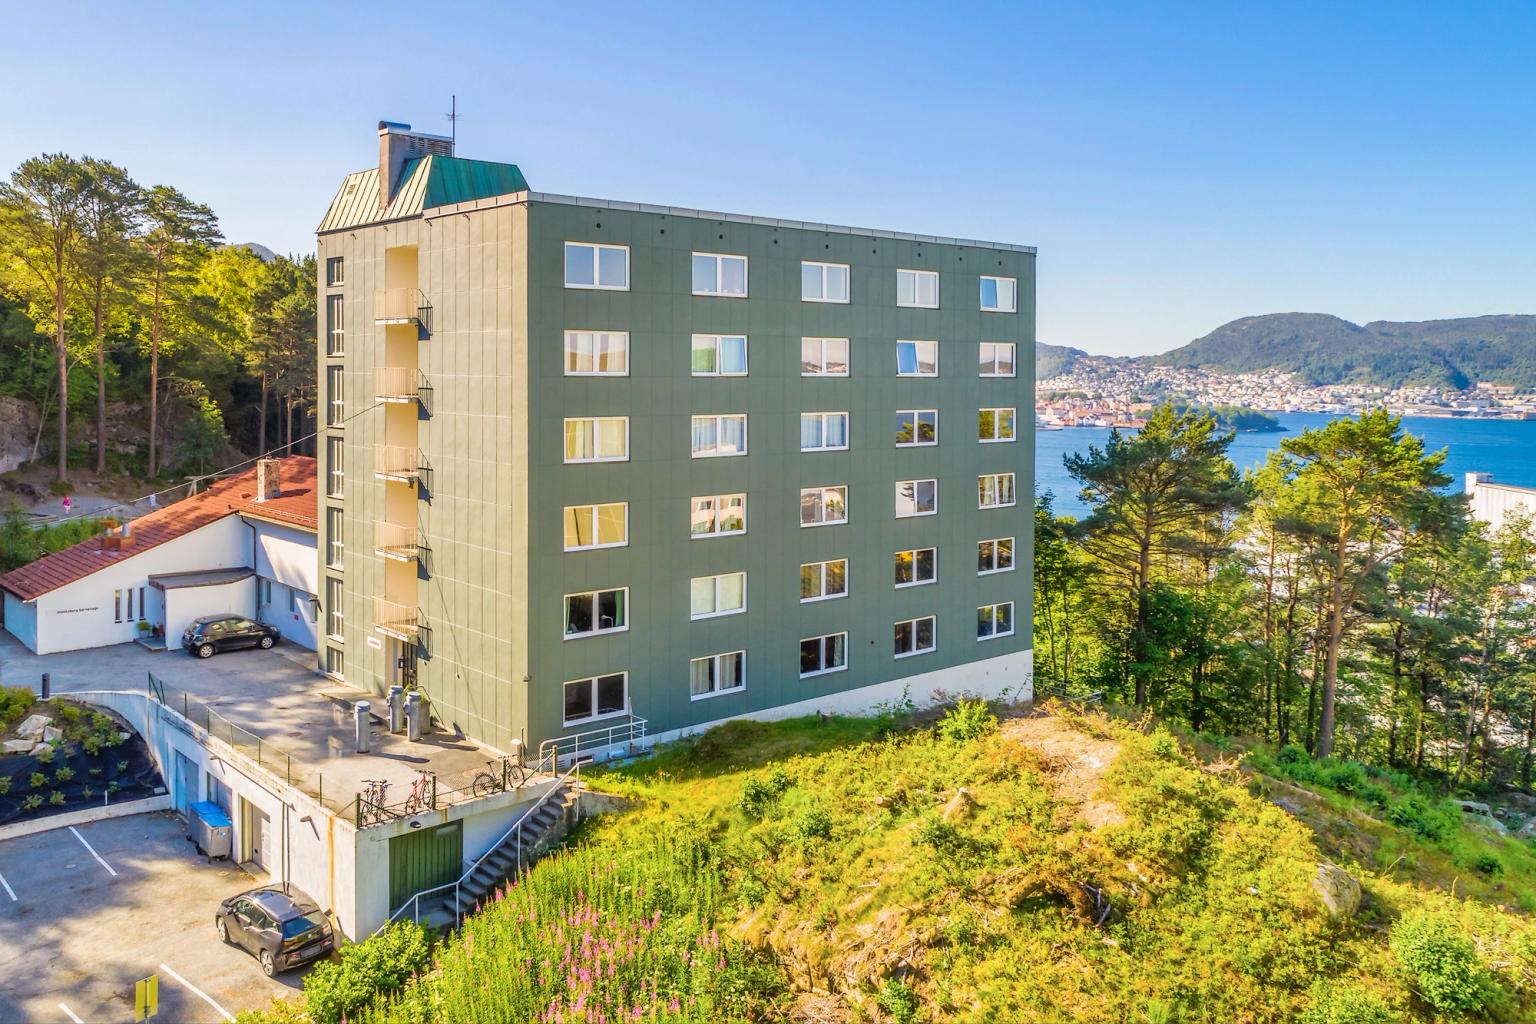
(402, 663)
(185, 783)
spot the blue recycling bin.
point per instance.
(211, 830)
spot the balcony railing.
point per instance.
(396, 383)
(391, 618)
(401, 306)
(391, 540)
(397, 462)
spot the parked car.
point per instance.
(282, 930)
(213, 633)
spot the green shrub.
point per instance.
(1346, 1005)
(88, 793)
(64, 774)
(966, 721)
(381, 964)
(56, 798)
(814, 824)
(92, 745)
(1164, 744)
(1487, 862)
(1427, 818)
(897, 999)
(751, 892)
(15, 702)
(1442, 962)
(38, 780)
(33, 801)
(45, 755)
(5, 784)
(759, 795)
(1345, 776)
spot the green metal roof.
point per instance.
(425, 182)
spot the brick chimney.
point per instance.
(397, 144)
(269, 479)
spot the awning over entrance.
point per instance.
(203, 578)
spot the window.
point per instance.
(596, 612)
(719, 275)
(718, 673)
(917, 567)
(822, 581)
(823, 506)
(334, 619)
(335, 663)
(823, 282)
(1000, 294)
(914, 636)
(598, 697)
(916, 498)
(719, 355)
(713, 596)
(823, 431)
(597, 439)
(997, 359)
(596, 354)
(335, 271)
(335, 326)
(994, 555)
(336, 467)
(823, 357)
(917, 359)
(718, 515)
(994, 620)
(719, 436)
(117, 605)
(263, 590)
(596, 526)
(994, 490)
(822, 654)
(335, 540)
(589, 265)
(917, 427)
(995, 425)
(336, 396)
(918, 288)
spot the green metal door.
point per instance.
(422, 859)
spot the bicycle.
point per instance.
(504, 775)
(421, 793)
(375, 793)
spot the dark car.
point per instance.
(282, 930)
(213, 633)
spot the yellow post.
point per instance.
(146, 998)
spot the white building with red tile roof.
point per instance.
(245, 546)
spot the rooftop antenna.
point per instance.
(453, 121)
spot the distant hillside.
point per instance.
(1323, 349)
(1055, 360)
(258, 250)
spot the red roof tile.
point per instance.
(296, 506)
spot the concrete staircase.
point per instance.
(534, 837)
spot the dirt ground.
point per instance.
(1077, 763)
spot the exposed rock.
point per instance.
(961, 806)
(41, 746)
(1339, 891)
(16, 747)
(33, 726)
(18, 427)
(51, 733)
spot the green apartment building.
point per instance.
(608, 469)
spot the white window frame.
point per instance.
(573, 336)
(335, 614)
(335, 325)
(822, 491)
(918, 361)
(996, 347)
(917, 515)
(336, 396)
(336, 663)
(592, 512)
(593, 594)
(335, 271)
(335, 467)
(915, 582)
(821, 344)
(596, 248)
(597, 446)
(717, 692)
(824, 267)
(1013, 284)
(746, 284)
(716, 499)
(823, 416)
(995, 541)
(916, 651)
(716, 339)
(335, 538)
(1013, 421)
(694, 616)
(994, 608)
(821, 575)
(997, 490)
(822, 642)
(917, 420)
(918, 275)
(718, 418)
(591, 682)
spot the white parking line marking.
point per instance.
(8, 890)
(204, 996)
(88, 846)
(70, 1014)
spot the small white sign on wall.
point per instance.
(375, 643)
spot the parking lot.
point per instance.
(87, 911)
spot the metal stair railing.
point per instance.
(629, 730)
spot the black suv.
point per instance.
(225, 633)
(282, 930)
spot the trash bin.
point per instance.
(211, 830)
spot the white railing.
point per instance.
(402, 620)
(396, 383)
(396, 461)
(391, 540)
(399, 306)
(627, 730)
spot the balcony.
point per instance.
(391, 540)
(397, 462)
(401, 621)
(398, 384)
(401, 306)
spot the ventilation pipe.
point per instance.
(396, 709)
(362, 733)
(413, 716)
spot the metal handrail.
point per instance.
(572, 777)
(631, 729)
(395, 540)
(398, 619)
(396, 460)
(399, 305)
(396, 382)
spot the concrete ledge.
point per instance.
(17, 829)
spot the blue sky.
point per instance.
(1178, 166)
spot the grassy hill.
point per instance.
(1055, 360)
(1045, 868)
(1323, 349)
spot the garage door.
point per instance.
(422, 859)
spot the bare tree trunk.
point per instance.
(61, 350)
(154, 375)
(261, 430)
(1331, 665)
(101, 383)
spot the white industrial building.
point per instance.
(1496, 504)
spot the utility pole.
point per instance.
(453, 121)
